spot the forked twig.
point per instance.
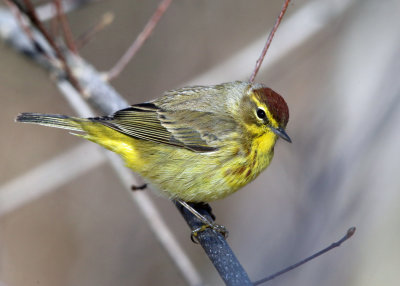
(139, 41)
(350, 232)
(30, 12)
(269, 40)
(17, 13)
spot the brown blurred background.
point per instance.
(342, 86)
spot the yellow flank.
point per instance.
(197, 144)
(112, 140)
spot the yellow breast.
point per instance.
(246, 168)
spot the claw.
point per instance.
(221, 229)
(195, 232)
(206, 223)
(216, 227)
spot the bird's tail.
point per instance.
(52, 120)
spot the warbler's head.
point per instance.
(263, 111)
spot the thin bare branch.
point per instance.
(269, 40)
(350, 232)
(69, 39)
(86, 37)
(139, 41)
(31, 14)
(14, 9)
(295, 31)
(54, 24)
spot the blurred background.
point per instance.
(337, 64)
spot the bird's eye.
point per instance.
(261, 113)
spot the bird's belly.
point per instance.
(196, 177)
(189, 176)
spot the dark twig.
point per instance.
(30, 12)
(216, 247)
(17, 13)
(269, 40)
(139, 41)
(350, 233)
(65, 27)
(85, 38)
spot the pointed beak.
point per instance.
(282, 133)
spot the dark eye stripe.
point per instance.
(261, 113)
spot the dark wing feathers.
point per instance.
(141, 123)
(193, 130)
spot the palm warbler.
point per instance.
(194, 144)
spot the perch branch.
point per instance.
(216, 248)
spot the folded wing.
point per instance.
(193, 130)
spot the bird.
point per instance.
(195, 144)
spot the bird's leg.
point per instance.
(206, 223)
(138, 188)
(207, 208)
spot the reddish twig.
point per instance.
(83, 39)
(65, 27)
(54, 24)
(137, 44)
(31, 14)
(14, 9)
(350, 232)
(269, 40)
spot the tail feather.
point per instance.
(52, 120)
